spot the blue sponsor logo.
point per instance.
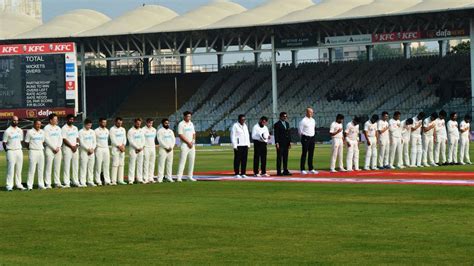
(70, 67)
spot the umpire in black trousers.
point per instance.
(283, 143)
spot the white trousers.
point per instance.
(14, 164)
(102, 164)
(416, 150)
(149, 163)
(396, 147)
(428, 147)
(406, 151)
(136, 163)
(384, 152)
(371, 153)
(353, 155)
(186, 154)
(464, 150)
(453, 150)
(87, 167)
(70, 158)
(52, 160)
(337, 153)
(165, 161)
(440, 148)
(36, 162)
(118, 163)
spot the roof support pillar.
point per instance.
(256, 56)
(472, 65)
(443, 48)
(370, 52)
(274, 81)
(83, 81)
(294, 58)
(332, 55)
(407, 50)
(182, 59)
(146, 66)
(220, 61)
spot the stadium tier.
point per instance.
(351, 88)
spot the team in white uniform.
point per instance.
(429, 134)
(70, 150)
(416, 142)
(371, 136)
(441, 139)
(102, 153)
(352, 139)
(396, 141)
(384, 141)
(12, 139)
(187, 135)
(118, 140)
(167, 140)
(337, 137)
(88, 142)
(465, 130)
(136, 139)
(34, 141)
(53, 154)
(149, 152)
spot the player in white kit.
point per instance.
(12, 139)
(370, 133)
(167, 140)
(337, 135)
(429, 134)
(102, 153)
(136, 138)
(441, 139)
(415, 140)
(352, 140)
(34, 141)
(53, 154)
(453, 138)
(187, 134)
(118, 140)
(465, 129)
(88, 143)
(149, 152)
(70, 135)
(384, 141)
(396, 142)
(406, 125)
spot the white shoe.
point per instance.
(22, 188)
(304, 172)
(179, 180)
(266, 175)
(191, 179)
(238, 176)
(401, 167)
(67, 186)
(113, 184)
(41, 188)
(342, 170)
(122, 183)
(58, 186)
(130, 183)
(375, 169)
(426, 165)
(350, 170)
(244, 176)
(170, 180)
(30, 188)
(333, 171)
(49, 187)
(434, 165)
(257, 175)
(160, 181)
(76, 185)
(91, 184)
(9, 189)
(314, 172)
(358, 169)
(99, 184)
(391, 167)
(367, 169)
(462, 163)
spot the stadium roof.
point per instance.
(220, 14)
(12, 24)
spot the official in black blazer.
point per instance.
(283, 143)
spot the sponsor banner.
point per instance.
(396, 36)
(34, 113)
(446, 33)
(42, 48)
(348, 39)
(296, 42)
(70, 68)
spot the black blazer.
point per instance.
(282, 134)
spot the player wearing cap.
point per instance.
(88, 144)
(70, 135)
(102, 153)
(12, 139)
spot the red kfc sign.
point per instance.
(70, 85)
(42, 48)
(396, 36)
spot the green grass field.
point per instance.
(239, 223)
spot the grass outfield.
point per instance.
(227, 222)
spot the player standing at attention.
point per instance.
(441, 139)
(88, 143)
(54, 141)
(187, 135)
(167, 140)
(136, 138)
(415, 140)
(118, 140)
(12, 139)
(337, 136)
(384, 141)
(70, 135)
(34, 141)
(465, 129)
(307, 131)
(396, 145)
(149, 152)
(352, 140)
(453, 138)
(260, 137)
(240, 138)
(370, 132)
(406, 125)
(102, 153)
(281, 131)
(429, 134)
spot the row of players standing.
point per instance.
(86, 153)
(430, 138)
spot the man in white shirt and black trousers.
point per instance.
(307, 131)
(240, 138)
(281, 132)
(260, 138)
